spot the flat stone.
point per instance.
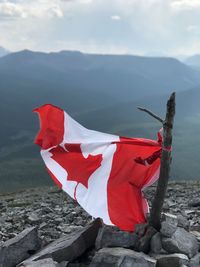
(109, 236)
(33, 218)
(173, 260)
(121, 257)
(71, 246)
(181, 242)
(20, 247)
(44, 263)
(189, 212)
(167, 229)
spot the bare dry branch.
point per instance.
(152, 114)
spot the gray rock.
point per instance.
(20, 247)
(42, 225)
(194, 203)
(69, 247)
(44, 263)
(189, 212)
(167, 229)
(55, 208)
(170, 203)
(67, 229)
(121, 257)
(173, 260)
(156, 244)
(181, 242)
(183, 222)
(33, 218)
(196, 234)
(109, 236)
(195, 261)
(195, 227)
(170, 218)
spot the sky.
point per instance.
(142, 27)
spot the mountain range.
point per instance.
(101, 92)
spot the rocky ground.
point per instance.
(49, 208)
(182, 198)
(56, 214)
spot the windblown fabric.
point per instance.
(105, 173)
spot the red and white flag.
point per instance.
(105, 173)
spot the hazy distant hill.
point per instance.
(3, 51)
(125, 119)
(101, 91)
(193, 60)
(124, 76)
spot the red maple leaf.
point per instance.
(79, 169)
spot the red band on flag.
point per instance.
(169, 149)
(127, 178)
(51, 126)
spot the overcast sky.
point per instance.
(145, 27)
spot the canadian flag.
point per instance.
(105, 173)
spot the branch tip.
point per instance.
(151, 114)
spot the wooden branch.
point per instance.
(155, 215)
(151, 114)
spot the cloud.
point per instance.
(34, 9)
(115, 17)
(180, 5)
(12, 10)
(162, 26)
(193, 29)
(78, 1)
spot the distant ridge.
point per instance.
(3, 51)
(193, 60)
(144, 74)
